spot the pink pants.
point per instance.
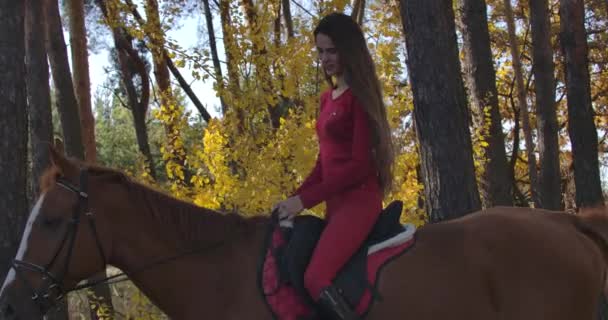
(350, 218)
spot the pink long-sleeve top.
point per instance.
(344, 159)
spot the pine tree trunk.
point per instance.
(481, 81)
(38, 91)
(261, 62)
(82, 83)
(288, 19)
(361, 13)
(62, 78)
(161, 74)
(219, 78)
(13, 130)
(131, 64)
(356, 7)
(549, 180)
(155, 41)
(522, 102)
(358, 11)
(581, 127)
(128, 58)
(440, 109)
(229, 42)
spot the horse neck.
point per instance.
(167, 228)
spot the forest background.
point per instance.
(491, 102)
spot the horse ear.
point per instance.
(59, 146)
(58, 160)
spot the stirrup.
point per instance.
(335, 306)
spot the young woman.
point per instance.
(353, 168)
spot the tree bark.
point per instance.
(13, 130)
(229, 44)
(440, 109)
(581, 127)
(161, 74)
(358, 11)
(361, 13)
(82, 83)
(288, 19)
(38, 91)
(98, 295)
(261, 62)
(277, 27)
(169, 63)
(219, 78)
(161, 71)
(62, 78)
(522, 101)
(356, 8)
(481, 81)
(549, 182)
(128, 58)
(130, 65)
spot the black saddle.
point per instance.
(351, 281)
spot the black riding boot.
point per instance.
(334, 306)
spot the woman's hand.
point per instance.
(289, 207)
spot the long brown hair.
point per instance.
(360, 74)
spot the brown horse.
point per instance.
(502, 263)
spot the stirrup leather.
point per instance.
(335, 306)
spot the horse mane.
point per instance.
(192, 224)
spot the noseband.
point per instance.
(51, 290)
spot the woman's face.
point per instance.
(328, 55)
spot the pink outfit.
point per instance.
(346, 179)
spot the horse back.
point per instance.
(501, 263)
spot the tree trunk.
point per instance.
(38, 91)
(161, 73)
(261, 63)
(356, 8)
(361, 13)
(60, 69)
(178, 76)
(98, 295)
(521, 100)
(581, 127)
(129, 58)
(481, 81)
(229, 42)
(358, 11)
(82, 83)
(131, 64)
(288, 19)
(219, 78)
(13, 130)
(519, 199)
(440, 109)
(277, 29)
(549, 182)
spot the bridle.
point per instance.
(52, 283)
(51, 290)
